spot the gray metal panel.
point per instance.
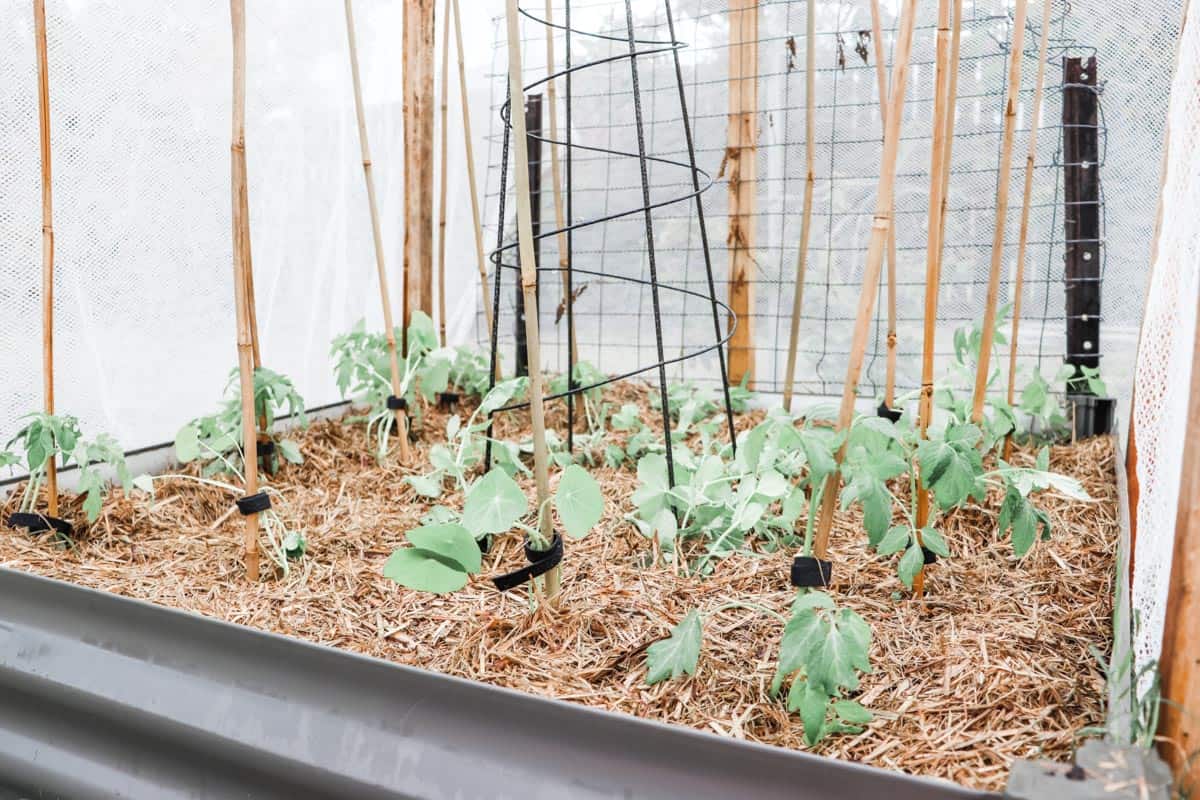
(103, 697)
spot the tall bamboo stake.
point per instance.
(481, 259)
(889, 392)
(529, 282)
(381, 269)
(441, 265)
(241, 260)
(1030, 157)
(556, 176)
(939, 170)
(879, 231)
(993, 295)
(39, 25)
(951, 116)
(810, 68)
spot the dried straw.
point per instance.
(994, 667)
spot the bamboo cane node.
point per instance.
(540, 562)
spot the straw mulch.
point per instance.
(994, 666)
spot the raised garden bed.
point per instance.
(993, 665)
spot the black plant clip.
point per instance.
(396, 403)
(253, 503)
(540, 562)
(447, 401)
(809, 572)
(41, 523)
(894, 414)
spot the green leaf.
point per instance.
(578, 501)
(290, 451)
(677, 655)
(844, 652)
(896, 539)
(651, 495)
(424, 571)
(450, 541)
(851, 711)
(145, 483)
(187, 444)
(948, 470)
(802, 638)
(494, 504)
(813, 705)
(932, 539)
(911, 563)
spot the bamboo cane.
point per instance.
(381, 269)
(875, 251)
(441, 265)
(951, 116)
(529, 284)
(241, 251)
(810, 65)
(944, 82)
(1030, 157)
(475, 216)
(993, 294)
(43, 70)
(556, 176)
(889, 392)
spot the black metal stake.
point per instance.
(533, 135)
(1081, 218)
(712, 288)
(497, 257)
(658, 337)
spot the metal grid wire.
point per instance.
(614, 321)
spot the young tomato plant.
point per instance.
(363, 372)
(216, 440)
(47, 436)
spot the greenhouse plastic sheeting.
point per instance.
(102, 696)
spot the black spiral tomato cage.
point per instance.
(638, 48)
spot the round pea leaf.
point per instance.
(451, 541)
(578, 501)
(424, 571)
(494, 503)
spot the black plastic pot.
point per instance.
(1094, 416)
(894, 414)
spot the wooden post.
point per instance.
(1005, 168)
(39, 25)
(880, 226)
(943, 113)
(810, 65)
(441, 261)
(889, 390)
(418, 60)
(241, 260)
(1179, 725)
(740, 156)
(1030, 157)
(537, 410)
(376, 234)
(475, 216)
(560, 222)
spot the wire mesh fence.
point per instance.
(613, 319)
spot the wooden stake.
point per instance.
(241, 260)
(1179, 726)
(993, 295)
(556, 175)
(810, 68)
(529, 284)
(441, 263)
(1030, 157)
(740, 157)
(879, 231)
(418, 60)
(43, 70)
(939, 170)
(377, 236)
(889, 391)
(475, 216)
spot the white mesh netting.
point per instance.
(1165, 355)
(140, 123)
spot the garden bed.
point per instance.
(993, 665)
